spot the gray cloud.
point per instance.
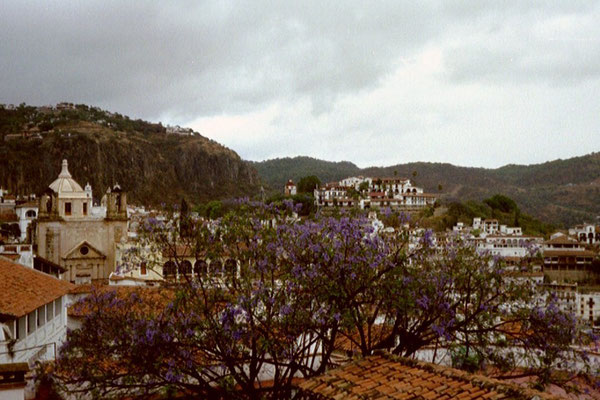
(345, 81)
(195, 59)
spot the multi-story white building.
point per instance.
(32, 314)
(586, 233)
(18, 252)
(511, 245)
(395, 193)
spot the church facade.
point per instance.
(73, 234)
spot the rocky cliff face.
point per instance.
(152, 166)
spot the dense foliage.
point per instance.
(276, 172)
(281, 296)
(499, 207)
(308, 184)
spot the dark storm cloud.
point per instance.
(198, 59)
(374, 82)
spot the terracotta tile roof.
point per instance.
(29, 204)
(562, 239)
(350, 341)
(154, 298)
(23, 289)
(383, 376)
(178, 251)
(9, 217)
(568, 253)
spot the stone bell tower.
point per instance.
(116, 203)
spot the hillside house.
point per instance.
(290, 188)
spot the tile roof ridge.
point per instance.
(514, 390)
(2, 258)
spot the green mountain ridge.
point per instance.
(562, 192)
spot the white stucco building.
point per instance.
(395, 193)
(32, 314)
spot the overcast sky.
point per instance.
(473, 83)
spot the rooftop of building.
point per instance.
(24, 289)
(383, 376)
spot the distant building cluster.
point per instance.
(178, 130)
(373, 192)
(567, 263)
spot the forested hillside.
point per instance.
(276, 172)
(105, 148)
(562, 192)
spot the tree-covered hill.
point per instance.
(563, 192)
(276, 172)
(105, 148)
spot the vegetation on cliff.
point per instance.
(105, 148)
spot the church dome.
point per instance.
(65, 184)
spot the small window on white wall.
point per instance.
(49, 311)
(58, 306)
(41, 315)
(22, 327)
(31, 322)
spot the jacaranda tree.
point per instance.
(272, 297)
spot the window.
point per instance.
(143, 270)
(21, 327)
(58, 306)
(185, 268)
(11, 327)
(67, 208)
(41, 316)
(84, 250)
(84, 208)
(31, 322)
(49, 311)
(169, 269)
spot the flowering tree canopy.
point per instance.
(271, 298)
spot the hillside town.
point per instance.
(59, 246)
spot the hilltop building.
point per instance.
(71, 234)
(586, 233)
(368, 192)
(290, 188)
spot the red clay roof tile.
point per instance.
(383, 376)
(23, 289)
